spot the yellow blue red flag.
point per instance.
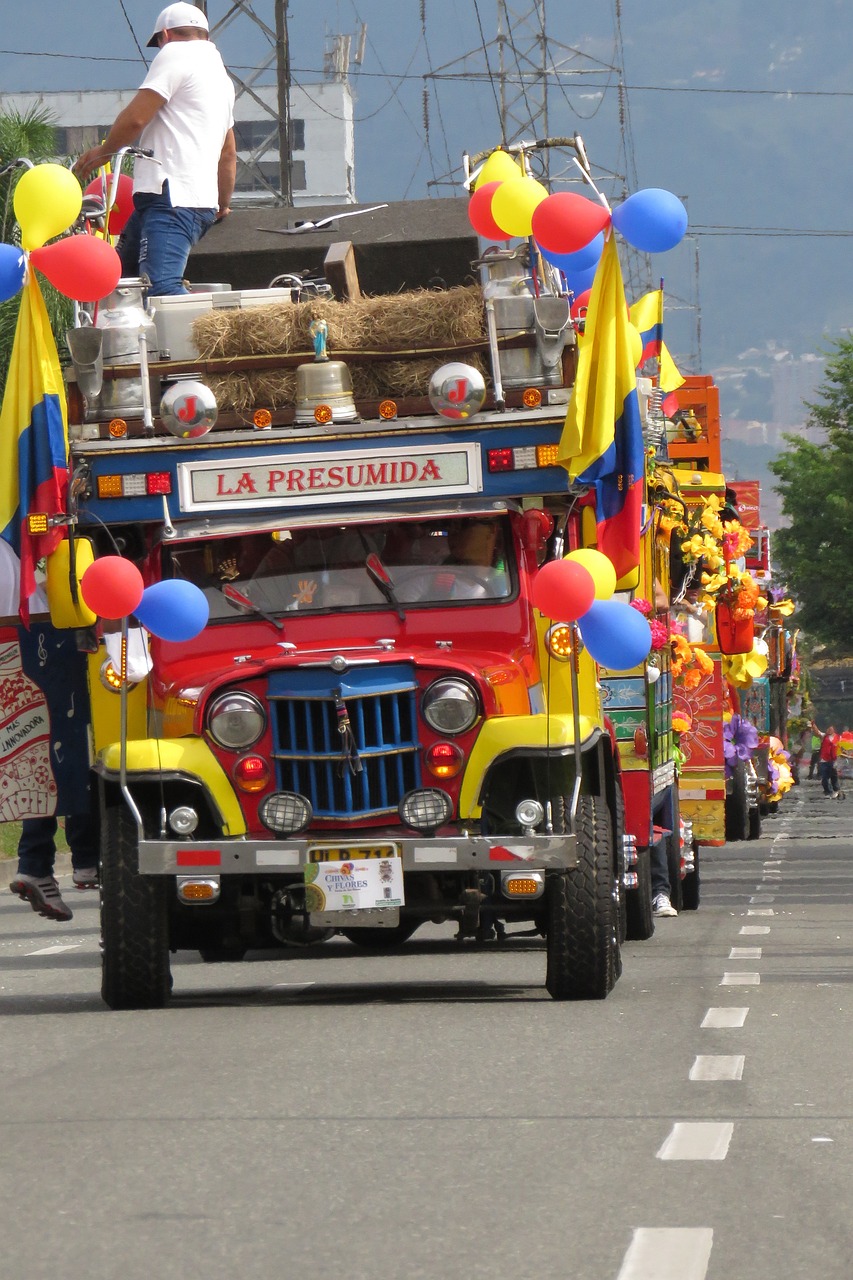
(602, 441)
(33, 440)
(646, 315)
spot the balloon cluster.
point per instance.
(47, 201)
(579, 588)
(173, 609)
(569, 228)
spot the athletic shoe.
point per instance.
(661, 906)
(85, 878)
(42, 893)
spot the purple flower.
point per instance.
(740, 738)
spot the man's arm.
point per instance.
(227, 174)
(127, 127)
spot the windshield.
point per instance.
(441, 560)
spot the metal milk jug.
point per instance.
(120, 316)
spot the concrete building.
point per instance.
(321, 130)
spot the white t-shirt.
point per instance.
(187, 133)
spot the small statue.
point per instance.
(319, 331)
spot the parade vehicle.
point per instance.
(376, 728)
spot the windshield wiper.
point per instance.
(242, 602)
(380, 575)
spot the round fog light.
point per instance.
(183, 820)
(529, 813)
(285, 813)
(426, 810)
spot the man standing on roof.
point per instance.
(184, 114)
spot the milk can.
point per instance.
(508, 287)
(119, 317)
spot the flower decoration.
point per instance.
(681, 722)
(689, 662)
(779, 774)
(740, 739)
(740, 669)
(660, 634)
(710, 548)
(642, 606)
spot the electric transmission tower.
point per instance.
(279, 138)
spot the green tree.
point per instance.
(816, 484)
(31, 136)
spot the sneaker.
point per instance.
(42, 893)
(85, 878)
(661, 906)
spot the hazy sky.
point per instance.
(743, 109)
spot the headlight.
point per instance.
(450, 706)
(236, 720)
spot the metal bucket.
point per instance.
(509, 286)
(120, 317)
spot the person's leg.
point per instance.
(34, 882)
(661, 889)
(824, 771)
(168, 234)
(81, 832)
(128, 246)
(814, 764)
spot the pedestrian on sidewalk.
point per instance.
(814, 761)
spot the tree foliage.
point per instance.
(815, 480)
(32, 136)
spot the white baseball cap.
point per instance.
(178, 15)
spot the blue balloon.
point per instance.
(13, 268)
(651, 220)
(617, 636)
(572, 263)
(173, 610)
(580, 281)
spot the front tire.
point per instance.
(582, 949)
(690, 885)
(134, 921)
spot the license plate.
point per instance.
(333, 853)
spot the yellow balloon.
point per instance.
(47, 200)
(500, 167)
(514, 202)
(600, 568)
(636, 340)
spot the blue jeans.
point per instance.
(37, 850)
(828, 776)
(157, 239)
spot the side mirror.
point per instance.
(65, 567)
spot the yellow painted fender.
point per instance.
(514, 733)
(64, 613)
(189, 756)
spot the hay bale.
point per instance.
(396, 322)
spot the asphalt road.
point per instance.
(432, 1114)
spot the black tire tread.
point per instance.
(134, 921)
(582, 950)
(641, 920)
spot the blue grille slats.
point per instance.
(382, 709)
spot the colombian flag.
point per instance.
(646, 315)
(602, 441)
(33, 439)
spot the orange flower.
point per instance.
(703, 662)
(691, 679)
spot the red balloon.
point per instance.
(580, 304)
(85, 268)
(123, 204)
(112, 587)
(563, 590)
(565, 222)
(480, 213)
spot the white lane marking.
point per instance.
(55, 949)
(765, 899)
(292, 984)
(745, 953)
(697, 1140)
(772, 862)
(717, 1066)
(823, 1139)
(724, 1017)
(668, 1253)
(761, 911)
(740, 980)
(754, 928)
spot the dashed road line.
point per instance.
(754, 929)
(697, 1140)
(717, 1066)
(760, 911)
(740, 980)
(724, 1017)
(745, 953)
(55, 949)
(668, 1253)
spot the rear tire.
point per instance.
(376, 939)
(755, 824)
(582, 949)
(690, 884)
(737, 810)
(134, 921)
(641, 921)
